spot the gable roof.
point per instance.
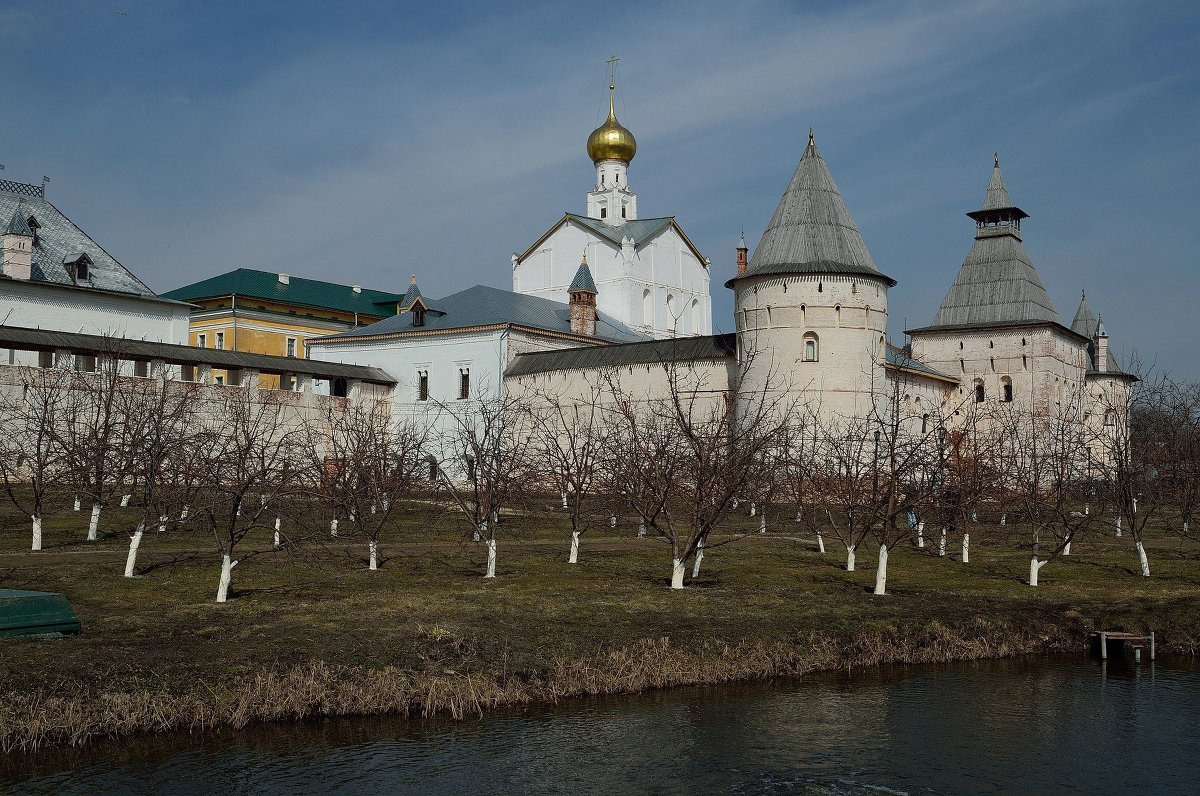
(265, 285)
(489, 306)
(812, 231)
(641, 230)
(997, 283)
(58, 238)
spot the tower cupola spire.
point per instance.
(611, 147)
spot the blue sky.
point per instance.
(363, 141)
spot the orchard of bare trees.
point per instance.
(675, 459)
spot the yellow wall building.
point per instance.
(268, 313)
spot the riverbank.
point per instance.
(317, 634)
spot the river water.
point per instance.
(1026, 726)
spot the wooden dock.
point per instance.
(1135, 640)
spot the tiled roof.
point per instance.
(812, 230)
(677, 349)
(486, 306)
(58, 239)
(265, 285)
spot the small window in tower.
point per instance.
(1024, 362)
(617, 177)
(854, 287)
(464, 384)
(812, 348)
(924, 424)
(993, 364)
(422, 385)
(820, 287)
(622, 211)
(960, 345)
(837, 313)
(604, 212)
(979, 394)
(991, 343)
(1022, 341)
(1006, 386)
(785, 287)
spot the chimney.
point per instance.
(1101, 347)
(583, 301)
(17, 246)
(743, 261)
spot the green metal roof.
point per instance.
(265, 285)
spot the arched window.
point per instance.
(979, 391)
(820, 287)
(1006, 391)
(812, 347)
(924, 424)
(803, 310)
(697, 317)
(837, 314)
(672, 318)
(1024, 362)
(647, 308)
(993, 364)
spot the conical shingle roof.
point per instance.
(19, 223)
(1088, 324)
(812, 230)
(583, 281)
(997, 284)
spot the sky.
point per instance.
(361, 142)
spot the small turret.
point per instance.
(1101, 346)
(743, 256)
(17, 245)
(583, 300)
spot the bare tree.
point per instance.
(34, 464)
(252, 467)
(368, 465)
(485, 466)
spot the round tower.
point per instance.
(811, 307)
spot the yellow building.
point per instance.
(267, 313)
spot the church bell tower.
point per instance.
(611, 146)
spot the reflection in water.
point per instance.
(1024, 726)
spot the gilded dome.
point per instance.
(611, 141)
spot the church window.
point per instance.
(979, 395)
(604, 212)
(697, 317)
(812, 348)
(803, 311)
(464, 383)
(993, 364)
(622, 211)
(220, 341)
(672, 318)
(837, 313)
(418, 315)
(422, 385)
(1022, 341)
(1006, 386)
(647, 308)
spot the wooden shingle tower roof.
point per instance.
(812, 231)
(997, 284)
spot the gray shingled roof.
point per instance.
(903, 358)
(997, 193)
(639, 229)
(997, 283)
(812, 230)
(1087, 323)
(486, 306)
(25, 339)
(677, 349)
(58, 238)
(583, 280)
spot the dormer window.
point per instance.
(418, 312)
(34, 226)
(78, 266)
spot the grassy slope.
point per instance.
(428, 610)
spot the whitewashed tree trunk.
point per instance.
(387, 504)
(974, 516)
(278, 537)
(183, 513)
(850, 558)
(1067, 547)
(564, 498)
(1004, 518)
(77, 502)
(1035, 567)
(921, 534)
(574, 558)
(37, 531)
(1185, 527)
(699, 558)
(800, 515)
(162, 523)
(820, 543)
(333, 527)
(1119, 526)
(942, 542)
(881, 571)
(1141, 551)
(227, 565)
(491, 559)
(966, 557)
(762, 523)
(753, 508)
(612, 521)
(94, 523)
(135, 542)
(353, 516)
(125, 500)
(1087, 509)
(373, 549)
(677, 570)
(642, 528)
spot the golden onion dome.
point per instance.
(611, 141)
